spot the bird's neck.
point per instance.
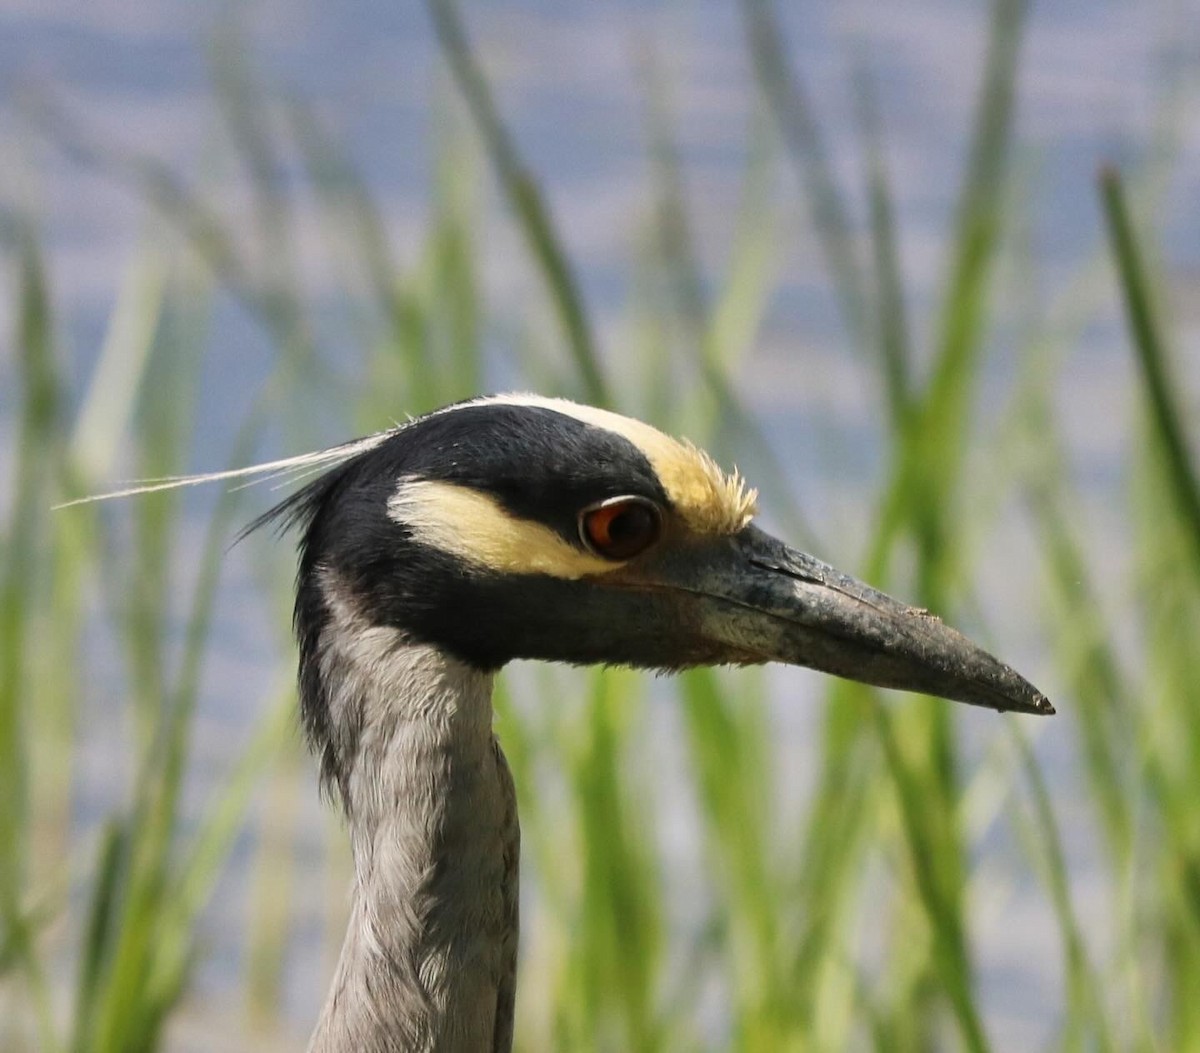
(429, 953)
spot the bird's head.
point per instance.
(524, 527)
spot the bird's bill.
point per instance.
(765, 601)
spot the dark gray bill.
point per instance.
(770, 602)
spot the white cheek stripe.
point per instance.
(475, 528)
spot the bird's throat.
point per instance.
(429, 955)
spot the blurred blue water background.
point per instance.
(1101, 81)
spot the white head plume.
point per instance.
(288, 469)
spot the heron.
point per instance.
(524, 527)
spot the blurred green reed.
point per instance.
(843, 920)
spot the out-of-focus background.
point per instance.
(926, 271)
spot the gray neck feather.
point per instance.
(429, 958)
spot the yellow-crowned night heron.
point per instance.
(526, 527)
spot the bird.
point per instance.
(519, 526)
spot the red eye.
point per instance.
(620, 527)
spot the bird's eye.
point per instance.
(620, 527)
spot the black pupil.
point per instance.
(630, 528)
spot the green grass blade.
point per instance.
(39, 413)
(728, 748)
(525, 199)
(936, 470)
(1086, 1026)
(940, 895)
(112, 391)
(891, 322)
(244, 108)
(98, 930)
(620, 911)
(797, 122)
(1101, 689)
(202, 865)
(703, 326)
(1165, 416)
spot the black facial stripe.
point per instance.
(486, 618)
